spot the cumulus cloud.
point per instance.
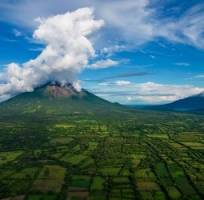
(66, 53)
(103, 64)
(148, 92)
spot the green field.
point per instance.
(140, 155)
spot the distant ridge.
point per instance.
(193, 103)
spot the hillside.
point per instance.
(57, 99)
(190, 104)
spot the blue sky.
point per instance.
(147, 52)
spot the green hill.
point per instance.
(57, 99)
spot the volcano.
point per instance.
(57, 98)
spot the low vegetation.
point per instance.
(140, 155)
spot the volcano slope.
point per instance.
(57, 143)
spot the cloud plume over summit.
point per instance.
(66, 53)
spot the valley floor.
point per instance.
(77, 157)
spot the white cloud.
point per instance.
(199, 76)
(39, 49)
(135, 21)
(77, 85)
(144, 93)
(108, 51)
(131, 20)
(138, 22)
(162, 93)
(103, 64)
(191, 25)
(122, 83)
(66, 53)
(129, 98)
(184, 64)
(17, 33)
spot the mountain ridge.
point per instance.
(57, 98)
(194, 104)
